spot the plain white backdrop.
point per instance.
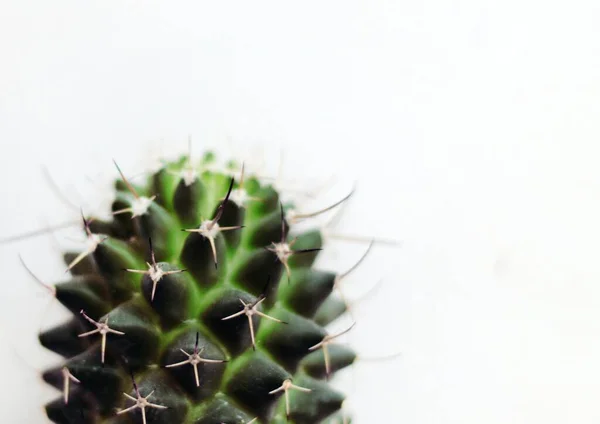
(471, 127)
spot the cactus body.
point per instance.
(208, 321)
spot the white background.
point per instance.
(471, 127)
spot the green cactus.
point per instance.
(222, 322)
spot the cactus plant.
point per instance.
(194, 305)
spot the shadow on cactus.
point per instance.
(194, 305)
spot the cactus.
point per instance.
(194, 305)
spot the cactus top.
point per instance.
(195, 305)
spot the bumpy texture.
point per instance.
(178, 327)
